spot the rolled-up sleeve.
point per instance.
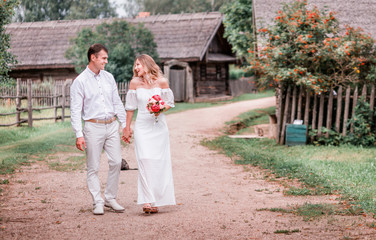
(76, 104)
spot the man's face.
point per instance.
(100, 60)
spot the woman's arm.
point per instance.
(127, 131)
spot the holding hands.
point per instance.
(127, 135)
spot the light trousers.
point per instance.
(98, 137)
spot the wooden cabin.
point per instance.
(191, 47)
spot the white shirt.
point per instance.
(95, 97)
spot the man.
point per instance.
(95, 99)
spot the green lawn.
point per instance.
(348, 170)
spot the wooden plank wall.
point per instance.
(331, 110)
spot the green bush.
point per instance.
(363, 133)
(306, 47)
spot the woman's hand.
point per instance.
(127, 134)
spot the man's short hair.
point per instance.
(95, 49)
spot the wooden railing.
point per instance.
(56, 96)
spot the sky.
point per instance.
(119, 9)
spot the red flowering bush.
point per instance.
(306, 47)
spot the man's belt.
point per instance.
(108, 121)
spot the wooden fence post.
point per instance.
(293, 107)
(18, 102)
(355, 101)
(29, 103)
(339, 110)
(329, 112)
(307, 107)
(321, 114)
(279, 112)
(346, 114)
(372, 97)
(285, 115)
(63, 102)
(55, 101)
(300, 99)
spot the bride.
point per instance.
(152, 144)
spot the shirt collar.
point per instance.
(93, 73)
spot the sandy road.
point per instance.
(216, 199)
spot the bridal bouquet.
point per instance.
(155, 105)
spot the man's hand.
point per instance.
(79, 142)
(127, 134)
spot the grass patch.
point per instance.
(19, 146)
(311, 212)
(286, 231)
(348, 170)
(71, 163)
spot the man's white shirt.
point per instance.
(95, 97)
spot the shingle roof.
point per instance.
(356, 13)
(178, 36)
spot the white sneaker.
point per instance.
(114, 205)
(98, 209)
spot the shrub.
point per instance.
(306, 47)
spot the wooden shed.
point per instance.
(191, 47)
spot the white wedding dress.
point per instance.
(152, 147)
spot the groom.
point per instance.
(95, 99)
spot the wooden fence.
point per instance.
(331, 110)
(56, 96)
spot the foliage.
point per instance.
(186, 6)
(238, 25)
(363, 133)
(238, 72)
(6, 58)
(306, 47)
(328, 137)
(363, 126)
(46, 10)
(123, 41)
(131, 7)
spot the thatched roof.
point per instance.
(178, 36)
(355, 13)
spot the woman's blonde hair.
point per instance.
(152, 70)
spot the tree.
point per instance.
(306, 47)
(131, 7)
(186, 6)
(84, 9)
(124, 42)
(238, 25)
(46, 10)
(6, 58)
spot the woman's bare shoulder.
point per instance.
(163, 82)
(135, 82)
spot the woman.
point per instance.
(152, 144)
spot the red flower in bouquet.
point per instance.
(155, 105)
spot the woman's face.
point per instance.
(139, 69)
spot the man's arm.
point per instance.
(76, 104)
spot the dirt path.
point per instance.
(216, 199)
